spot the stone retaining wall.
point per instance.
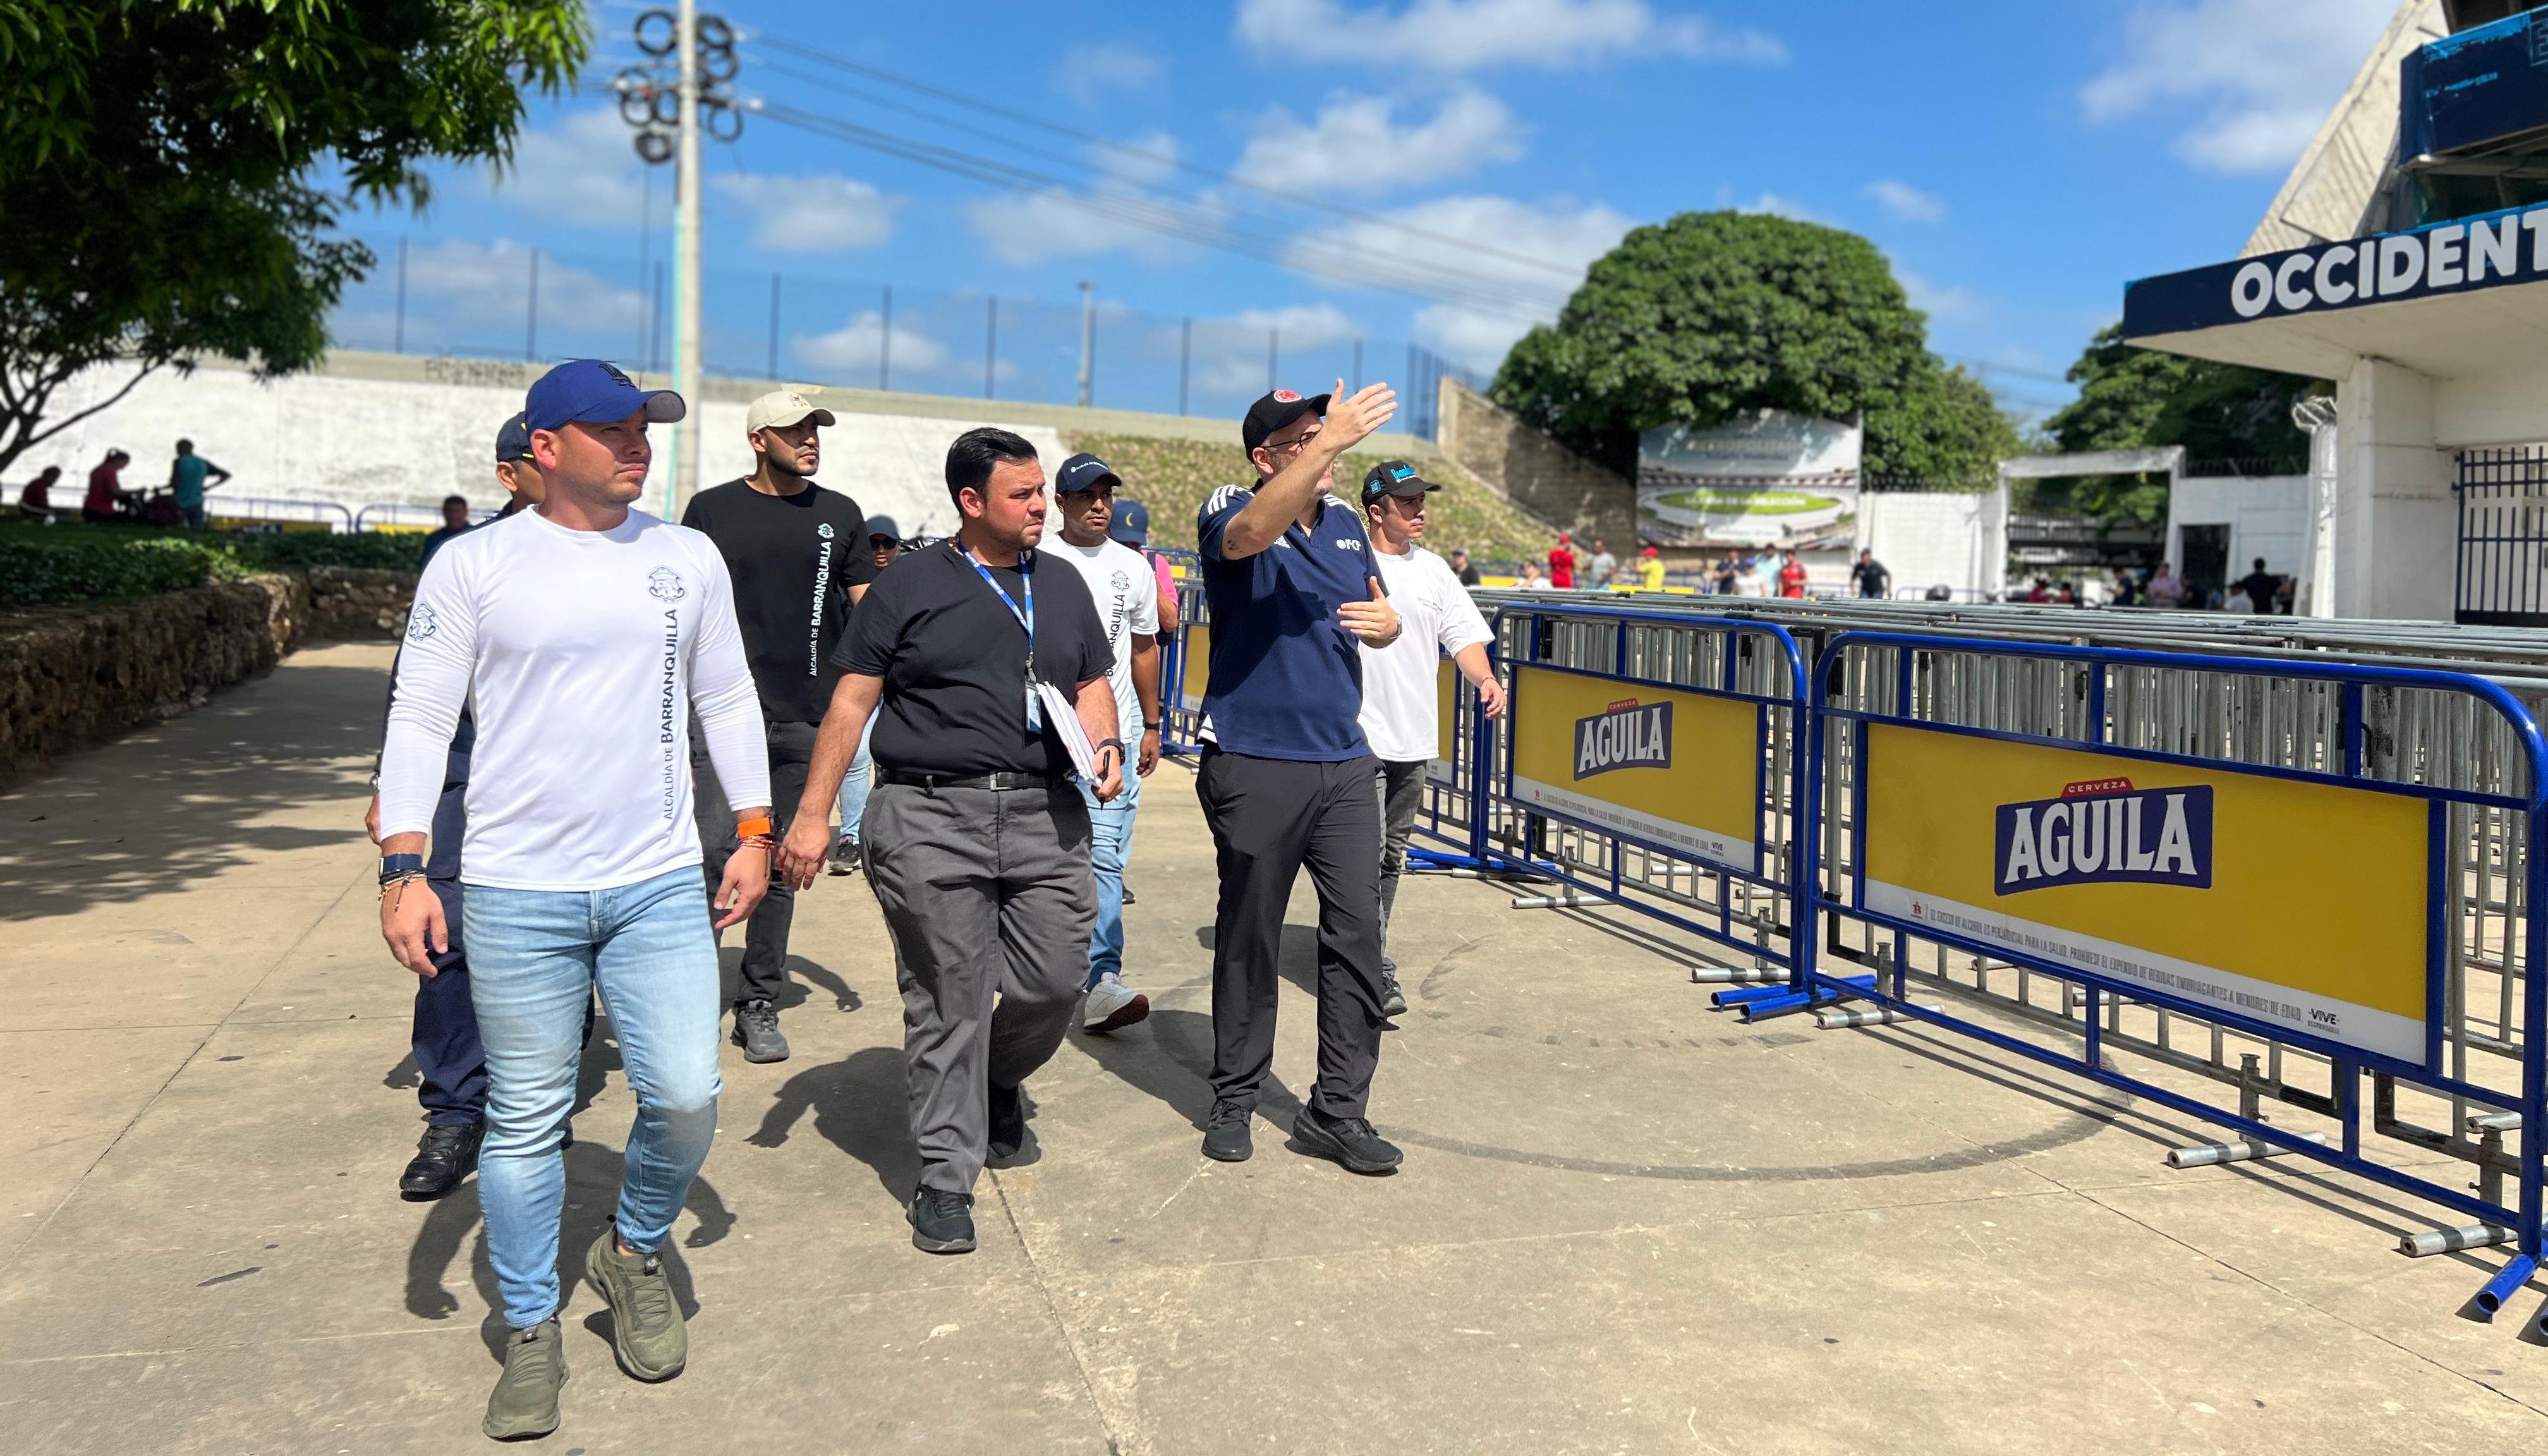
(354, 604)
(73, 675)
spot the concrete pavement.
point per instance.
(1627, 1224)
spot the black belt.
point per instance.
(910, 780)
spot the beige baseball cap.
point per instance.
(781, 408)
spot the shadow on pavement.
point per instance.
(860, 1107)
(192, 797)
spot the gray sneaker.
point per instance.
(646, 1329)
(1393, 1001)
(756, 1030)
(524, 1402)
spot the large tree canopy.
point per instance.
(161, 166)
(1692, 320)
(2130, 399)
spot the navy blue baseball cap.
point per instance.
(591, 391)
(1130, 525)
(884, 527)
(1081, 474)
(513, 441)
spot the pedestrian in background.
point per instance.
(1561, 563)
(1870, 578)
(189, 476)
(1650, 570)
(1603, 566)
(455, 522)
(1127, 593)
(976, 841)
(799, 568)
(884, 545)
(35, 497)
(1465, 570)
(1402, 712)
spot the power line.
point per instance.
(1570, 272)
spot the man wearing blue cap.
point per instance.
(585, 636)
(1128, 604)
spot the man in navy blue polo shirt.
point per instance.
(1286, 776)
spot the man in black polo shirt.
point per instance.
(976, 841)
(800, 559)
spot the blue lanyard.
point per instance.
(1026, 619)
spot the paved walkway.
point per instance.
(1627, 1224)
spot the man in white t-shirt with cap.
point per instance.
(1401, 710)
(1127, 593)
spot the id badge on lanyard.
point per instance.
(1026, 619)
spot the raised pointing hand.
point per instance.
(1352, 419)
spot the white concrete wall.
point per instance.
(358, 441)
(2267, 516)
(1933, 539)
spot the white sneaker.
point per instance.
(1113, 1005)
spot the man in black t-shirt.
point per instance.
(2261, 587)
(976, 842)
(800, 559)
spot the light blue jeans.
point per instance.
(855, 783)
(1110, 845)
(534, 959)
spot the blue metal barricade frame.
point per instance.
(2348, 683)
(1522, 632)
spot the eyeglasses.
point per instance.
(1294, 445)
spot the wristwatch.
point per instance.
(394, 866)
(1116, 744)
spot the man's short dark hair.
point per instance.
(2260, 563)
(460, 501)
(976, 453)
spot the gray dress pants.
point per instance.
(991, 899)
(1401, 793)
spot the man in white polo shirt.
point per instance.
(1127, 593)
(1401, 709)
(582, 635)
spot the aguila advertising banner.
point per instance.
(1446, 726)
(2300, 905)
(1680, 770)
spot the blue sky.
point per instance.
(2019, 163)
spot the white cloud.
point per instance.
(1356, 144)
(2255, 77)
(1953, 303)
(1565, 240)
(1907, 202)
(471, 284)
(1467, 35)
(584, 172)
(811, 215)
(855, 348)
(1089, 75)
(1781, 207)
(1232, 355)
(1058, 222)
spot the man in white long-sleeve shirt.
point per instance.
(583, 635)
(1401, 709)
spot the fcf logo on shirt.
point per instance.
(665, 584)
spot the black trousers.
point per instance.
(450, 1065)
(1270, 818)
(765, 935)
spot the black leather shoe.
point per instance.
(1008, 1120)
(1347, 1141)
(942, 1223)
(1225, 1137)
(443, 1156)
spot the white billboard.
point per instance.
(1764, 478)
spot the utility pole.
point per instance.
(700, 49)
(1087, 335)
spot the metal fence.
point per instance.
(465, 299)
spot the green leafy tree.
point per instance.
(2134, 399)
(1692, 319)
(172, 170)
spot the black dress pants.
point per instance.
(1270, 818)
(765, 935)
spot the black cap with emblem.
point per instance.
(1276, 410)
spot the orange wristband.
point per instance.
(750, 827)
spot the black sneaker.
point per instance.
(1008, 1120)
(1127, 892)
(445, 1155)
(942, 1223)
(1347, 1141)
(1393, 1001)
(1224, 1135)
(845, 857)
(756, 1030)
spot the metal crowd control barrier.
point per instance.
(1619, 771)
(2329, 870)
